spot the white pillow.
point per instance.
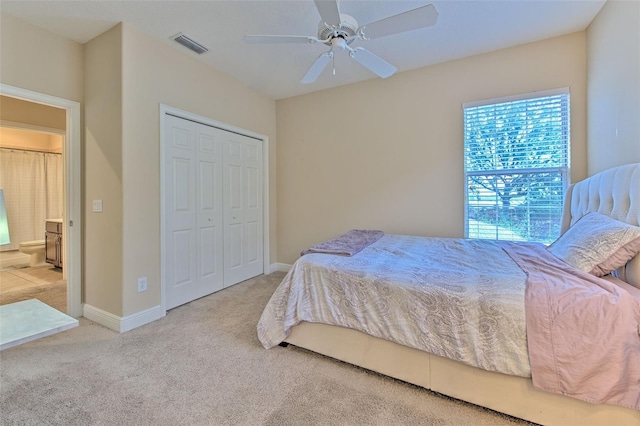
(597, 244)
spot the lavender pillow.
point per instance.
(597, 244)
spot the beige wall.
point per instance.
(613, 71)
(35, 59)
(30, 140)
(31, 113)
(153, 74)
(103, 172)
(388, 154)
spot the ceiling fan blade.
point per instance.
(317, 67)
(421, 17)
(279, 39)
(373, 63)
(329, 12)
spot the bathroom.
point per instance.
(31, 180)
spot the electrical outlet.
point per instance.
(142, 284)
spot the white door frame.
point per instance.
(72, 190)
(164, 110)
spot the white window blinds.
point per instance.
(516, 166)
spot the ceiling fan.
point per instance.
(338, 31)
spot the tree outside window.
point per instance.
(516, 166)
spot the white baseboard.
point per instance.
(279, 267)
(141, 318)
(101, 317)
(122, 324)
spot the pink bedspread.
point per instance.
(583, 332)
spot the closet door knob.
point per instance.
(210, 219)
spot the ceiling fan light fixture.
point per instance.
(338, 43)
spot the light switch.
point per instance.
(97, 206)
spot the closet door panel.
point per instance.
(209, 209)
(208, 231)
(243, 209)
(181, 281)
(253, 213)
(233, 202)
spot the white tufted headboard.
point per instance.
(614, 192)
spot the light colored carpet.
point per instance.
(44, 283)
(203, 365)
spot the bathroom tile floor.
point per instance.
(13, 259)
(45, 283)
(23, 278)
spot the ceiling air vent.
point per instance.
(189, 43)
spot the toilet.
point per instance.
(35, 249)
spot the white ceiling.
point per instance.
(464, 28)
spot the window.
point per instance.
(516, 154)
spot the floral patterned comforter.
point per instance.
(456, 298)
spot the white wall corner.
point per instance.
(122, 324)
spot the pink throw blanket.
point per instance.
(347, 244)
(583, 332)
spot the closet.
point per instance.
(213, 209)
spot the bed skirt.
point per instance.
(511, 395)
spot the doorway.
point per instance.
(31, 178)
(71, 217)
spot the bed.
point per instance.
(497, 375)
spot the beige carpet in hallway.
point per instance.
(44, 283)
(203, 365)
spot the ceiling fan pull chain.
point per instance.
(333, 63)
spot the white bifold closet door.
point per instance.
(213, 199)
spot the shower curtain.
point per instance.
(32, 183)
